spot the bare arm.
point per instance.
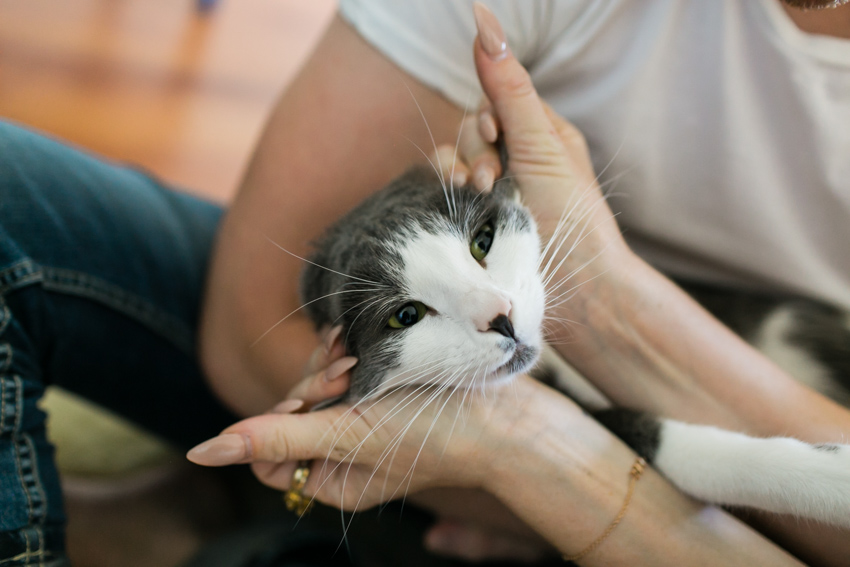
(337, 134)
(649, 346)
(639, 337)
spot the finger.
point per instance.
(325, 384)
(269, 438)
(450, 165)
(471, 543)
(329, 350)
(234, 445)
(482, 157)
(488, 122)
(276, 475)
(508, 86)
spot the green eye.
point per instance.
(407, 315)
(481, 242)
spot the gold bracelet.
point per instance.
(635, 473)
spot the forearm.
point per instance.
(649, 346)
(653, 348)
(568, 479)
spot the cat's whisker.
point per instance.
(466, 394)
(453, 207)
(582, 235)
(570, 220)
(439, 167)
(443, 385)
(568, 214)
(294, 255)
(359, 446)
(373, 396)
(567, 220)
(351, 455)
(450, 391)
(566, 278)
(291, 313)
(437, 389)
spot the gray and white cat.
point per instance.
(443, 286)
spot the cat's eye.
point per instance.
(481, 242)
(407, 315)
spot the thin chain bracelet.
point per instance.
(635, 474)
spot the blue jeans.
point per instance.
(101, 277)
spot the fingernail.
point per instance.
(288, 406)
(487, 127)
(484, 177)
(459, 178)
(339, 367)
(331, 338)
(490, 32)
(440, 541)
(226, 449)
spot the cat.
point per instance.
(441, 285)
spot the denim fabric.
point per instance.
(101, 277)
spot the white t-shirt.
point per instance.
(723, 130)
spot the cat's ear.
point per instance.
(507, 189)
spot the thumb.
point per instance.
(508, 86)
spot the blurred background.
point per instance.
(181, 88)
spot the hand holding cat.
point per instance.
(547, 155)
(379, 450)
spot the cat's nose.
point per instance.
(486, 307)
(502, 325)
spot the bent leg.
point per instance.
(101, 279)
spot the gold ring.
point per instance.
(294, 497)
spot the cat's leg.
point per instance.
(778, 474)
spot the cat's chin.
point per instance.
(523, 359)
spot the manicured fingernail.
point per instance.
(490, 32)
(487, 127)
(331, 338)
(226, 449)
(339, 367)
(459, 178)
(484, 177)
(288, 406)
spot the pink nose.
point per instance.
(487, 307)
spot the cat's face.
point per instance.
(438, 289)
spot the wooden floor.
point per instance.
(155, 82)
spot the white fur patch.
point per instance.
(780, 475)
(451, 344)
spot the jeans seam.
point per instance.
(19, 274)
(72, 282)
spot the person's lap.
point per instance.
(101, 278)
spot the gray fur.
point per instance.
(821, 330)
(364, 245)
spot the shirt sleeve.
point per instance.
(432, 39)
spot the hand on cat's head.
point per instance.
(547, 155)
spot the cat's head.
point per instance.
(431, 286)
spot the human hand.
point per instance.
(547, 156)
(378, 450)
